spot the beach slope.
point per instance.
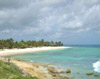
(9, 52)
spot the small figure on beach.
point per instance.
(8, 59)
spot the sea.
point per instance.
(81, 59)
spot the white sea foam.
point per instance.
(96, 66)
(31, 61)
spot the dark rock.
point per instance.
(55, 75)
(68, 71)
(52, 70)
(96, 75)
(90, 73)
(62, 71)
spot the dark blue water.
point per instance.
(78, 59)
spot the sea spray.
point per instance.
(96, 66)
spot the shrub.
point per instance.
(21, 77)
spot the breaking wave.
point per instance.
(96, 66)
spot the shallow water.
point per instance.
(78, 59)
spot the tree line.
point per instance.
(10, 43)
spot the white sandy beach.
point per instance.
(8, 52)
(34, 69)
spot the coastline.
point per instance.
(10, 52)
(42, 71)
(39, 70)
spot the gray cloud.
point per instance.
(49, 19)
(14, 4)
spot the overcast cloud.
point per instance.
(69, 21)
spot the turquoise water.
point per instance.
(78, 59)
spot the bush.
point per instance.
(21, 77)
(8, 70)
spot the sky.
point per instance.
(70, 21)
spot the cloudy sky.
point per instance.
(69, 21)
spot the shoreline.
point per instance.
(39, 70)
(10, 52)
(42, 70)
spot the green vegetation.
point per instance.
(21, 77)
(10, 43)
(10, 71)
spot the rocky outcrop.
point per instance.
(68, 71)
(53, 70)
(56, 73)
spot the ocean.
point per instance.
(80, 59)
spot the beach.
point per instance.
(55, 64)
(80, 60)
(35, 69)
(9, 52)
(42, 71)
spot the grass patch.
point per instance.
(21, 77)
(10, 71)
